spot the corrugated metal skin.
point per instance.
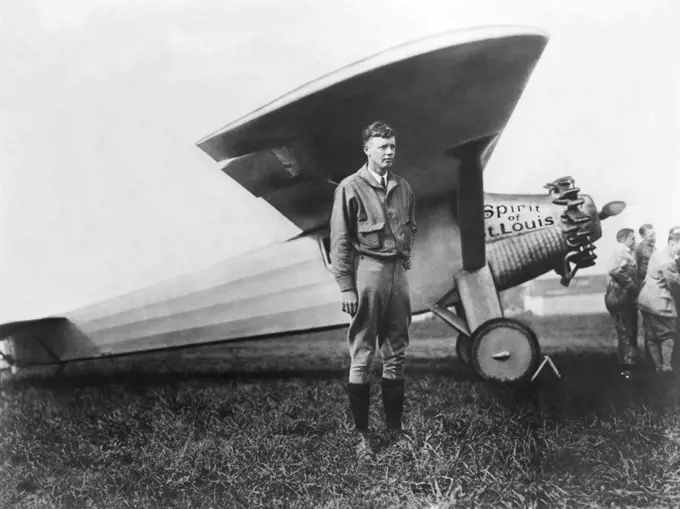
(278, 289)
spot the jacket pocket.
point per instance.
(370, 235)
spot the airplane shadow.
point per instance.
(585, 371)
(590, 383)
(50, 379)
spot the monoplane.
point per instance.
(449, 98)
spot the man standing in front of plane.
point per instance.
(643, 252)
(372, 232)
(657, 304)
(620, 297)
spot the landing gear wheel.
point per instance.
(504, 350)
(464, 348)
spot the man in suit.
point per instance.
(657, 303)
(372, 232)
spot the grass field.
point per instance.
(266, 424)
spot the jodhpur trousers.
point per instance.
(382, 318)
(660, 335)
(626, 325)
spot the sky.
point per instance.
(103, 191)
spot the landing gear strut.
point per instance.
(464, 349)
(463, 342)
(499, 349)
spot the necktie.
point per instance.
(383, 183)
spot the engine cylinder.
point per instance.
(517, 259)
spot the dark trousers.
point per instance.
(660, 335)
(626, 325)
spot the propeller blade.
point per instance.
(612, 208)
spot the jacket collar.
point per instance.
(621, 248)
(368, 178)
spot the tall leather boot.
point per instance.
(393, 403)
(359, 403)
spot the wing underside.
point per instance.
(439, 93)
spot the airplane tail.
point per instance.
(42, 341)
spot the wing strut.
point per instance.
(472, 156)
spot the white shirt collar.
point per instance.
(622, 249)
(622, 255)
(378, 177)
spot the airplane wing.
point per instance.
(449, 97)
(438, 93)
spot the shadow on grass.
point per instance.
(591, 385)
(165, 374)
(590, 380)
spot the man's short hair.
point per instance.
(378, 130)
(674, 234)
(645, 227)
(624, 233)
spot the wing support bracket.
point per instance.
(472, 156)
(450, 318)
(441, 310)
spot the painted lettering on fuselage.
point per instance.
(511, 218)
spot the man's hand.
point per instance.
(350, 302)
(407, 264)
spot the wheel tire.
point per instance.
(464, 349)
(504, 350)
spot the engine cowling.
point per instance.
(529, 235)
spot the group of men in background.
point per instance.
(645, 279)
